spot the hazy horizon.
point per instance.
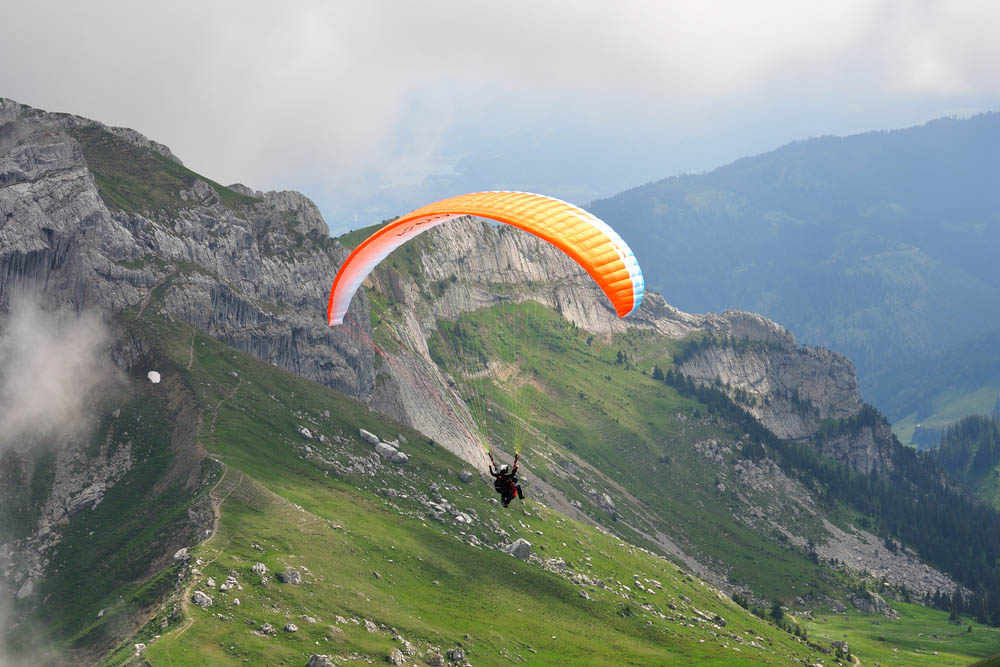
(374, 108)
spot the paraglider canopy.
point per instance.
(590, 242)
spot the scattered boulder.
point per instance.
(290, 576)
(182, 555)
(268, 629)
(385, 450)
(466, 476)
(584, 594)
(316, 660)
(457, 654)
(434, 660)
(395, 657)
(259, 568)
(843, 646)
(870, 602)
(291, 627)
(408, 648)
(369, 436)
(201, 599)
(608, 505)
(230, 584)
(520, 549)
(370, 626)
(236, 602)
(305, 433)
(211, 582)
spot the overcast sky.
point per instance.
(374, 108)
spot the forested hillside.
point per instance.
(881, 245)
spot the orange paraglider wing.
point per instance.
(589, 241)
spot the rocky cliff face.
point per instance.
(248, 267)
(789, 389)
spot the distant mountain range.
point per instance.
(881, 246)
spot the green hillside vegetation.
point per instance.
(368, 550)
(920, 636)
(934, 393)
(134, 179)
(597, 419)
(970, 452)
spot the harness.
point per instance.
(505, 483)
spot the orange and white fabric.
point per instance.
(586, 239)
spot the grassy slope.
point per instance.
(336, 524)
(133, 179)
(920, 636)
(948, 407)
(640, 433)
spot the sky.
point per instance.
(373, 108)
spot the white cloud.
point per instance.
(52, 368)
(356, 97)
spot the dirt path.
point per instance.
(227, 484)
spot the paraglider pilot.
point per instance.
(505, 481)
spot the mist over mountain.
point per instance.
(880, 245)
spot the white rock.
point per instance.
(201, 599)
(385, 450)
(520, 549)
(369, 436)
(154, 377)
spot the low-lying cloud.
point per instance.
(53, 367)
